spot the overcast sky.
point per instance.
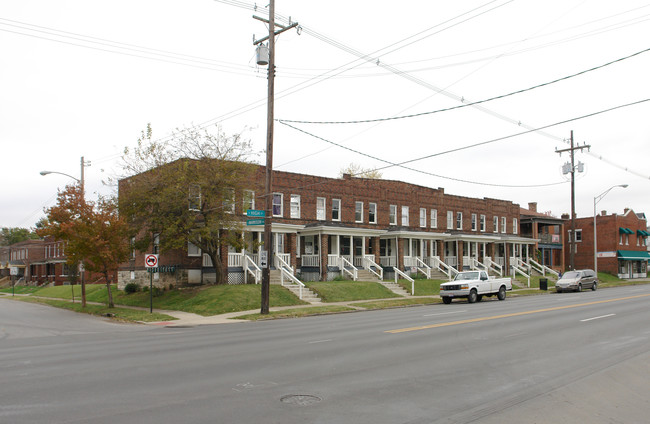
(83, 78)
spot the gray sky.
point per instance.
(83, 78)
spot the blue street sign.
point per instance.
(259, 221)
(255, 212)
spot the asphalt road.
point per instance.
(570, 358)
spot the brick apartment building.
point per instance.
(622, 244)
(325, 227)
(548, 233)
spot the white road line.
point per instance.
(320, 341)
(444, 313)
(602, 316)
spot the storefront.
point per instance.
(632, 263)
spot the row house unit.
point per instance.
(548, 233)
(40, 262)
(622, 244)
(326, 227)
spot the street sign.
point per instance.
(264, 258)
(13, 270)
(258, 221)
(150, 260)
(255, 212)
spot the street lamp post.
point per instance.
(81, 183)
(596, 200)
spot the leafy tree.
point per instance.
(184, 190)
(357, 171)
(94, 233)
(11, 235)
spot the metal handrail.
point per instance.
(406, 277)
(352, 273)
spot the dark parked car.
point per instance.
(577, 280)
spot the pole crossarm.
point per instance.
(284, 28)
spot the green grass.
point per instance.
(298, 312)
(345, 291)
(394, 303)
(422, 287)
(120, 314)
(20, 290)
(534, 281)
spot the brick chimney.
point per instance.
(603, 213)
(532, 206)
(565, 216)
(625, 210)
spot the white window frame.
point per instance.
(358, 212)
(294, 206)
(156, 243)
(474, 222)
(503, 224)
(281, 197)
(372, 213)
(321, 208)
(515, 226)
(482, 223)
(459, 220)
(423, 217)
(450, 220)
(405, 216)
(229, 201)
(192, 250)
(194, 197)
(336, 207)
(248, 201)
(434, 218)
(392, 214)
(496, 224)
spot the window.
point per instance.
(496, 224)
(295, 206)
(336, 209)
(277, 204)
(474, 223)
(372, 213)
(434, 218)
(132, 247)
(450, 220)
(320, 208)
(578, 237)
(423, 217)
(249, 200)
(515, 226)
(503, 224)
(192, 249)
(229, 200)
(627, 239)
(392, 215)
(459, 220)
(482, 222)
(194, 197)
(156, 244)
(358, 211)
(405, 216)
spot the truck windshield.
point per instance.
(467, 276)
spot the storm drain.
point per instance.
(300, 400)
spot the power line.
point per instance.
(401, 164)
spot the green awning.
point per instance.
(622, 230)
(633, 255)
(642, 233)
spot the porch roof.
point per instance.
(481, 238)
(276, 227)
(403, 232)
(340, 231)
(518, 239)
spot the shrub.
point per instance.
(131, 288)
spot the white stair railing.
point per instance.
(347, 267)
(293, 281)
(543, 269)
(493, 266)
(423, 268)
(281, 263)
(250, 267)
(517, 270)
(406, 277)
(448, 270)
(475, 264)
(369, 264)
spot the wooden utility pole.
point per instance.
(268, 239)
(572, 235)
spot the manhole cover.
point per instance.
(300, 400)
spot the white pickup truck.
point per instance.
(473, 285)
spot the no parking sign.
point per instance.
(150, 260)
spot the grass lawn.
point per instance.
(534, 281)
(20, 290)
(344, 291)
(422, 287)
(298, 312)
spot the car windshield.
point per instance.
(467, 276)
(571, 274)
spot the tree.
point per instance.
(357, 171)
(94, 233)
(184, 190)
(11, 235)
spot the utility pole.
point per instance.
(268, 241)
(572, 235)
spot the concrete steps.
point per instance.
(395, 288)
(365, 275)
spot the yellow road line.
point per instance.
(516, 314)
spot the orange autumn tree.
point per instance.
(94, 233)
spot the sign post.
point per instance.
(150, 261)
(13, 271)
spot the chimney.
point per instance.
(625, 210)
(565, 216)
(603, 213)
(347, 176)
(532, 206)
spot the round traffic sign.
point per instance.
(151, 261)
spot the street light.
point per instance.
(596, 200)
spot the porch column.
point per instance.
(223, 256)
(324, 249)
(441, 249)
(375, 249)
(400, 253)
(292, 244)
(506, 260)
(459, 255)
